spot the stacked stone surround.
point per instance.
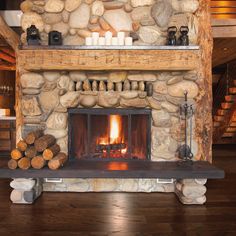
(46, 95)
(77, 19)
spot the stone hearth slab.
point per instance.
(114, 169)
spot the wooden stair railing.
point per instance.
(227, 128)
(224, 107)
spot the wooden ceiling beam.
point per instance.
(11, 37)
(224, 51)
(224, 28)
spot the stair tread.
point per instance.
(230, 98)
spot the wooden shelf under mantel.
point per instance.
(144, 58)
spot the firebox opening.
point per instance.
(104, 134)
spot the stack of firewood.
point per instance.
(37, 150)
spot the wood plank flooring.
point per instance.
(126, 214)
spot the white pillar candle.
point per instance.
(114, 41)
(121, 38)
(88, 41)
(101, 41)
(128, 41)
(108, 37)
(95, 37)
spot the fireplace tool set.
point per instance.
(186, 115)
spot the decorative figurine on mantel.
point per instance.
(33, 37)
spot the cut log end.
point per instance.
(16, 154)
(58, 161)
(38, 162)
(50, 152)
(12, 164)
(32, 136)
(22, 145)
(24, 163)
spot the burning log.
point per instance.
(16, 154)
(50, 152)
(38, 162)
(31, 152)
(24, 163)
(12, 164)
(58, 161)
(32, 136)
(22, 145)
(110, 147)
(44, 142)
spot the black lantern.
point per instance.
(55, 38)
(184, 39)
(33, 37)
(171, 40)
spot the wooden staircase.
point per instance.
(225, 114)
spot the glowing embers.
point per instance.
(113, 145)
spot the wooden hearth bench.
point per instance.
(187, 177)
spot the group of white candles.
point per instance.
(108, 40)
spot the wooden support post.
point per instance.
(203, 117)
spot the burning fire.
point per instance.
(115, 129)
(115, 136)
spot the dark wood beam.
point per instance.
(223, 28)
(224, 51)
(11, 37)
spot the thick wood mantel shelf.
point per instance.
(162, 58)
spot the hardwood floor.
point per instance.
(128, 214)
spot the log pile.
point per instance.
(37, 151)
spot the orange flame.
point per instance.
(115, 135)
(115, 129)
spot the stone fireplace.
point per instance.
(78, 108)
(97, 101)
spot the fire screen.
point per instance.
(120, 134)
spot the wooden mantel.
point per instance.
(160, 58)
